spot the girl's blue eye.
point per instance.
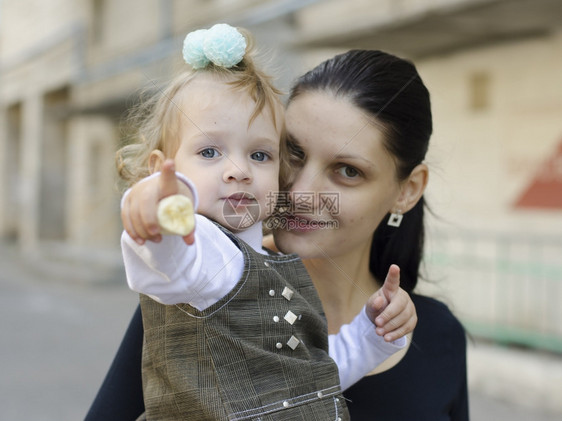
(259, 156)
(209, 153)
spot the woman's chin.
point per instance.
(300, 242)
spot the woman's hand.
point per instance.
(391, 309)
(139, 211)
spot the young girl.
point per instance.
(232, 331)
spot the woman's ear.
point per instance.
(155, 160)
(412, 189)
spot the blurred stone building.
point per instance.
(69, 70)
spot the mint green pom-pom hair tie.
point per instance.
(222, 45)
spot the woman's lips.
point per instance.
(302, 224)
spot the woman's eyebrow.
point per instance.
(289, 136)
(354, 157)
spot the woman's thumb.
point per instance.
(392, 281)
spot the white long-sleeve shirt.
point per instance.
(171, 272)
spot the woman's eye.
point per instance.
(348, 172)
(209, 153)
(259, 156)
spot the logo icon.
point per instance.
(241, 210)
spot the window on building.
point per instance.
(479, 85)
(12, 171)
(95, 175)
(53, 182)
(98, 20)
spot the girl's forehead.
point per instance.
(208, 89)
(209, 105)
(203, 89)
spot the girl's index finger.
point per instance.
(168, 182)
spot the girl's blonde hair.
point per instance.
(156, 121)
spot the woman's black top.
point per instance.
(429, 383)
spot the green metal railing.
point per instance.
(504, 287)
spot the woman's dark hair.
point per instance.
(390, 90)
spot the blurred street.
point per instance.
(59, 336)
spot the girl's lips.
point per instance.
(241, 202)
(241, 199)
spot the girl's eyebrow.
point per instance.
(270, 147)
(208, 135)
(267, 139)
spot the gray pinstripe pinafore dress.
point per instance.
(260, 353)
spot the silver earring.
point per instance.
(395, 219)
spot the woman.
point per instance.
(359, 127)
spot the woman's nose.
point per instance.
(304, 190)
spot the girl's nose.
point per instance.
(236, 170)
